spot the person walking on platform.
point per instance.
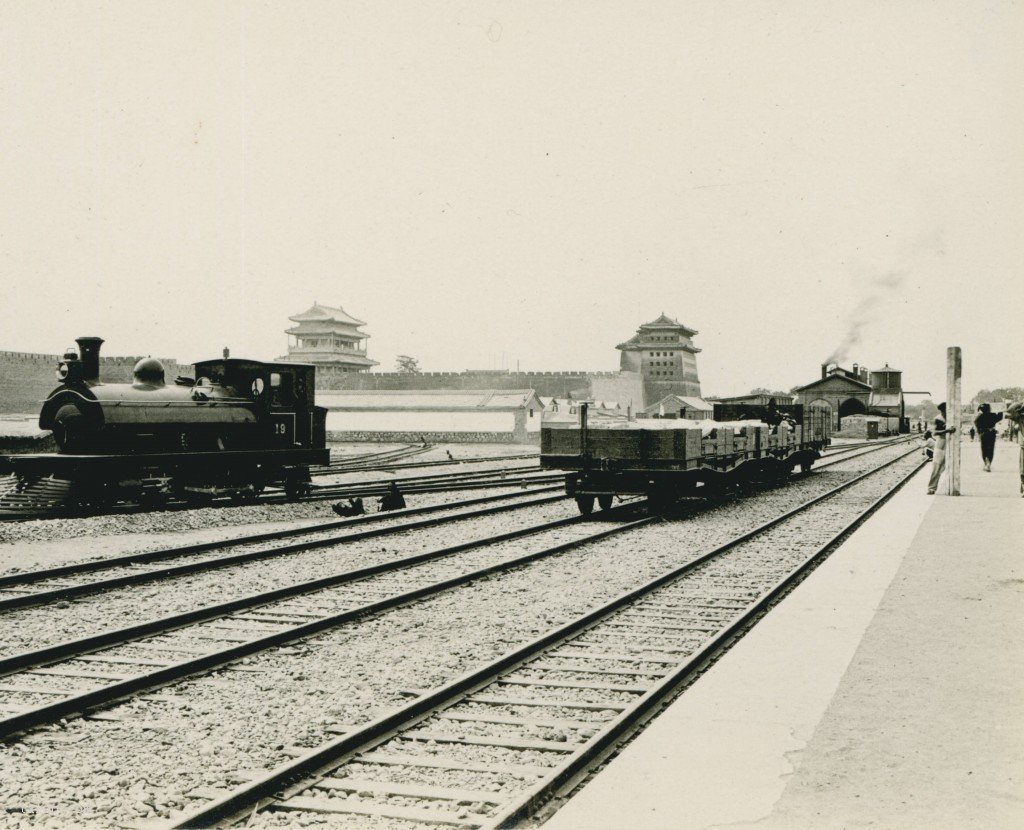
(939, 458)
(985, 422)
(1015, 415)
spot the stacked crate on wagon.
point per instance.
(666, 460)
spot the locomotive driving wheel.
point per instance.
(296, 486)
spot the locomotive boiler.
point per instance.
(232, 429)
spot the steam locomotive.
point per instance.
(234, 428)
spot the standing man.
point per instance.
(985, 422)
(939, 459)
(1015, 414)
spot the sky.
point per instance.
(521, 184)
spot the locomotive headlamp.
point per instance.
(69, 371)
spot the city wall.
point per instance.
(27, 378)
(549, 384)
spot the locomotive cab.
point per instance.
(283, 394)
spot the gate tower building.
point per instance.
(663, 354)
(329, 338)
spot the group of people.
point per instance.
(985, 426)
(391, 500)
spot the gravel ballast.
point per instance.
(252, 716)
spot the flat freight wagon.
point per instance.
(668, 459)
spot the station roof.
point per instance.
(835, 376)
(687, 401)
(428, 399)
(885, 400)
(326, 313)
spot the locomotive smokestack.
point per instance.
(89, 351)
(227, 352)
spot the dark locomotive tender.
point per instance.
(666, 460)
(233, 429)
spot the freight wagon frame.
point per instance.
(665, 460)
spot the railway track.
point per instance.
(837, 449)
(380, 457)
(449, 482)
(101, 658)
(22, 509)
(491, 747)
(213, 635)
(331, 469)
(115, 740)
(38, 587)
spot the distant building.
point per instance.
(658, 361)
(329, 338)
(679, 406)
(468, 415)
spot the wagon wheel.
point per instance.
(658, 501)
(604, 501)
(585, 504)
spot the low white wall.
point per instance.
(410, 421)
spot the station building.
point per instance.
(857, 395)
(679, 406)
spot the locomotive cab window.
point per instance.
(281, 391)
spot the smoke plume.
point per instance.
(877, 291)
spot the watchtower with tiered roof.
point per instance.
(663, 354)
(328, 336)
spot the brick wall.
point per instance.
(27, 378)
(625, 388)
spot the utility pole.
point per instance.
(955, 417)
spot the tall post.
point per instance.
(954, 418)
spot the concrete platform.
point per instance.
(887, 691)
